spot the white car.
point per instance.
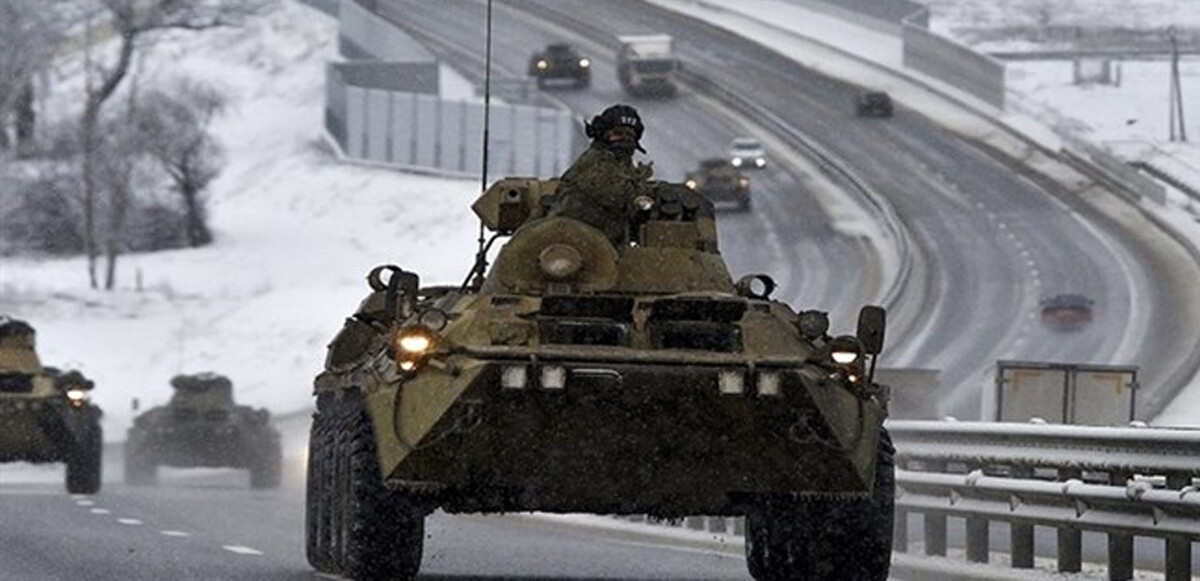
(747, 153)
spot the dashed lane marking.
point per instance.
(241, 550)
(129, 521)
(100, 511)
(174, 534)
(84, 503)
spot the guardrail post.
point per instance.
(935, 522)
(1120, 546)
(977, 539)
(1070, 539)
(1179, 548)
(1021, 534)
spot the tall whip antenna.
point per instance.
(481, 256)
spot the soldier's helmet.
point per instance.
(617, 125)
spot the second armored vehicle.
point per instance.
(45, 415)
(719, 181)
(873, 104)
(561, 62)
(201, 426)
(579, 374)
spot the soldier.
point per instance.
(599, 186)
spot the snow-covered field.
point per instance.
(297, 229)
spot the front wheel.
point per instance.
(792, 540)
(382, 530)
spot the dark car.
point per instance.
(874, 104)
(719, 181)
(1066, 312)
(561, 62)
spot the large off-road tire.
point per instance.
(85, 461)
(318, 495)
(790, 540)
(382, 530)
(140, 469)
(267, 470)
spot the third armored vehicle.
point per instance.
(45, 415)
(718, 180)
(560, 61)
(201, 426)
(578, 374)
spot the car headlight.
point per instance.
(585, 63)
(760, 162)
(737, 162)
(691, 184)
(542, 65)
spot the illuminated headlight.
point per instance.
(585, 63)
(415, 343)
(554, 377)
(737, 162)
(744, 182)
(691, 184)
(514, 377)
(768, 383)
(760, 162)
(411, 345)
(845, 350)
(542, 65)
(731, 382)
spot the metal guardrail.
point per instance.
(1123, 482)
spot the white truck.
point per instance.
(646, 65)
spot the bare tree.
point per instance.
(28, 37)
(175, 125)
(132, 20)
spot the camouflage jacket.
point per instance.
(598, 188)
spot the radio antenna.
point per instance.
(481, 254)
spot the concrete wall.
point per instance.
(955, 64)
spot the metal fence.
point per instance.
(386, 109)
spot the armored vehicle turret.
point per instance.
(45, 413)
(579, 375)
(202, 426)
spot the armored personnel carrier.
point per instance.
(560, 61)
(721, 182)
(201, 426)
(45, 413)
(579, 375)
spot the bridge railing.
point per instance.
(1122, 482)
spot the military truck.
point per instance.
(722, 183)
(581, 375)
(201, 426)
(45, 413)
(560, 61)
(646, 65)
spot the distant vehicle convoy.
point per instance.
(45, 413)
(201, 426)
(747, 153)
(559, 62)
(718, 180)
(647, 66)
(874, 104)
(1066, 312)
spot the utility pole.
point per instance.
(1175, 101)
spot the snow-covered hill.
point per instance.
(296, 232)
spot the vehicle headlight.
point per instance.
(542, 65)
(737, 162)
(691, 184)
(744, 182)
(845, 350)
(760, 162)
(585, 63)
(77, 397)
(411, 345)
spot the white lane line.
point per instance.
(100, 511)
(174, 534)
(241, 550)
(84, 503)
(129, 521)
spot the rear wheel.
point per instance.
(84, 463)
(826, 541)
